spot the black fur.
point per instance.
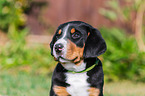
(58, 78)
(96, 76)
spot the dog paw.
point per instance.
(60, 91)
(94, 91)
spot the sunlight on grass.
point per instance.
(124, 88)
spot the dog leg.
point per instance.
(60, 91)
(94, 91)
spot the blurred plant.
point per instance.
(130, 16)
(16, 56)
(139, 24)
(12, 17)
(122, 59)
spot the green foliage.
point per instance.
(116, 11)
(108, 14)
(128, 16)
(12, 14)
(122, 59)
(16, 55)
(137, 3)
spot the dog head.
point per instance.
(75, 41)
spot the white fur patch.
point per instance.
(73, 67)
(78, 81)
(78, 84)
(64, 42)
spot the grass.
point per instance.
(23, 84)
(124, 88)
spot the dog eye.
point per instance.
(76, 35)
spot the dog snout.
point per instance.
(59, 48)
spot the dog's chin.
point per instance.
(63, 60)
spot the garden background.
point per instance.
(26, 29)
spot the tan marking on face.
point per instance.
(73, 51)
(88, 33)
(60, 91)
(59, 32)
(94, 91)
(73, 30)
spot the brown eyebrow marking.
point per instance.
(72, 30)
(59, 32)
(88, 33)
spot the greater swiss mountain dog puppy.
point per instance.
(79, 72)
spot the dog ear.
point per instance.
(95, 44)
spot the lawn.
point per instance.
(23, 84)
(124, 88)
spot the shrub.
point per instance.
(12, 15)
(17, 56)
(122, 60)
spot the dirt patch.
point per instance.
(32, 40)
(3, 38)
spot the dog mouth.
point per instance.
(60, 58)
(66, 61)
(70, 60)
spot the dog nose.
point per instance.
(59, 47)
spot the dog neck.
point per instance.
(74, 67)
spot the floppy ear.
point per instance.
(95, 44)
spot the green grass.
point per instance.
(23, 84)
(124, 88)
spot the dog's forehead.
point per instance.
(67, 28)
(66, 33)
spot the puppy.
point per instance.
(79, 72)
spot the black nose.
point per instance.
(59, 48)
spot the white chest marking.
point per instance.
(78, 84)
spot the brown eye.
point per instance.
(76, 35)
